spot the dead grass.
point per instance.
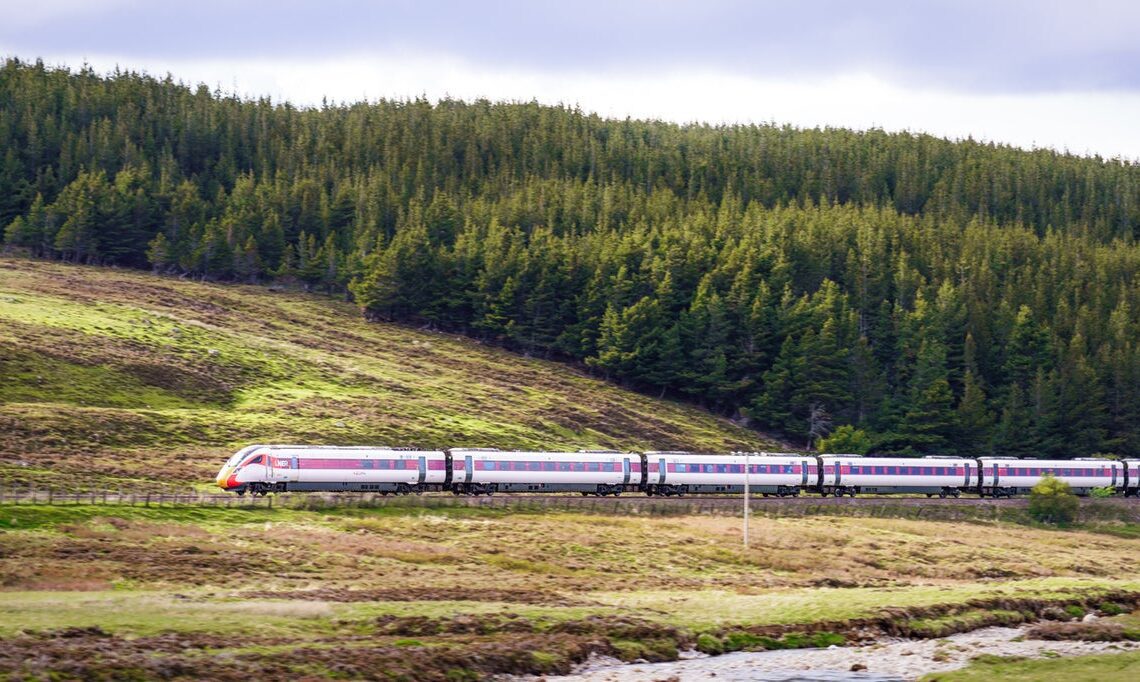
(112, 375)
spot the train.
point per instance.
(264, 469)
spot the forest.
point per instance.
(851, 291)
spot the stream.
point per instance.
(890, 660)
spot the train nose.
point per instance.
(223, 478)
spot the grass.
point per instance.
(110, 375)
(1124, 667)
(426, 589)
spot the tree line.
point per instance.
(898, 292)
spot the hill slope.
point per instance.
(110, 377)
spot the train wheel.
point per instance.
(941, 495)
(930, 495)
(852, 492)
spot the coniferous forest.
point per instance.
(900, 292)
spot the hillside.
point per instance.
(112, 376)
(941, 297)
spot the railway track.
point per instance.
(633, 500)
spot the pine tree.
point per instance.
(975, 421)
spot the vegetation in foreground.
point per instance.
(1123, 667)
(121, 379)
(467, 592)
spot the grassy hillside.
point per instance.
(112, 376)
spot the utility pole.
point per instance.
(747, 474)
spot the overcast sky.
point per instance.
(1039, 73)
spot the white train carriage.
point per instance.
(261, 469)
(590, 472)
(933, 475)
(1131, 477)
(677, 473)
(1008, 476)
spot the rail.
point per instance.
(895, 507)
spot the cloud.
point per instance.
(963, 45)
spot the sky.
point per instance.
(1032, 73)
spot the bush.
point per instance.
(1107, 491)
(1051, 501)
(1074, 611)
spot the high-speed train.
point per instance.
(261, 469)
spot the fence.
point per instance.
(909, 508)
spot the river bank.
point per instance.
(892, 660)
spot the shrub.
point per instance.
(1107, 491)
(1051, 501)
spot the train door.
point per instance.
(468, 469)
(838, 472)
(804, 469)
(661, 471)
(625, 471)
(1113, 467)
(423, 470)
(966, 483)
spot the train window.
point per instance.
(682, 468)
(548, 466)
(579, 466)
(366, 464)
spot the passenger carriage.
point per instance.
(677, 473)
(261, 469)
(1131, 477)
(589, 472)
(932, 475)
(1009, 476)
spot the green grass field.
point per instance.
(423, 590)
(116, 378)
(122, 380)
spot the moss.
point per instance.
(709, 644)
(1110, 609)
(738, 640)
